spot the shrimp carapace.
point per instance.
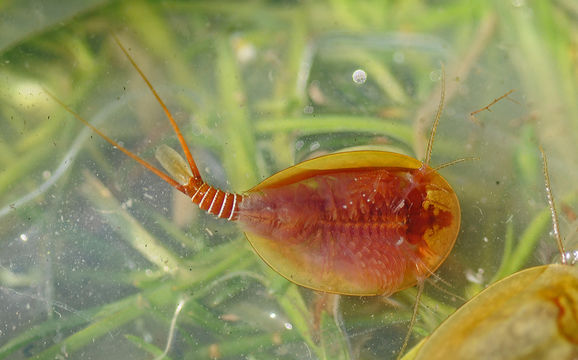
(358, 223)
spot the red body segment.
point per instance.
(364, 229)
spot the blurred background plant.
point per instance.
(99, 259)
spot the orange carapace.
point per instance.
(357, 223)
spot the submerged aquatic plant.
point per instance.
(100, 258)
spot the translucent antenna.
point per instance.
(556, 227)
(454, 162)
(132, 155)
(420, 287)
(436, 119)
(487, 107)
(185, 147)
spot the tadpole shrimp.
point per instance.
(360, 223)
(532, 314)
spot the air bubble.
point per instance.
(359, 76)
(398, 57)
(435, 75)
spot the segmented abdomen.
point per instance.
(217, 202)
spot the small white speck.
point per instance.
(148, 338)
(399, 241)
(485, 239)
(399, 206)
(24, 237)
(288, 326)
(299, 144)
(314, 146)
(127, 204)
(477, 278)
(273, 315)
(571, 257)
(344, 206)
(398, 57)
